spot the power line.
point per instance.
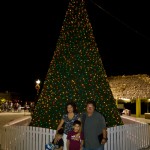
(120, 21)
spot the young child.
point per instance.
(58, 141)
(75, 137)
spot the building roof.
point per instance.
(130, 86)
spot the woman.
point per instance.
(68, 120)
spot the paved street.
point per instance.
(9, 118)
(131, 119)
(6, 117)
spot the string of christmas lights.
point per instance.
(76, 73)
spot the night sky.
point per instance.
(29, 33)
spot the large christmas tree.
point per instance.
(76, 73)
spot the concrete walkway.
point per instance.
(135, 119)
(11, 118)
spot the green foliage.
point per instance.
(76, 73)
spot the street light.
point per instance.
(37, 86)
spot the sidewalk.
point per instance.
(11, 118)
(135, 119)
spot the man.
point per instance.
(93, 124)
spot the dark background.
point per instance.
(29, 33)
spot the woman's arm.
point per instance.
(60, 125)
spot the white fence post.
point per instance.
(128, 137)
(125, 137)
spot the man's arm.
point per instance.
(104, 140)
(81, 145)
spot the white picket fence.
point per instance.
(125, 137)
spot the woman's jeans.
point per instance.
(99, 148)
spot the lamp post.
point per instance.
(37, 86)
(148, 101)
